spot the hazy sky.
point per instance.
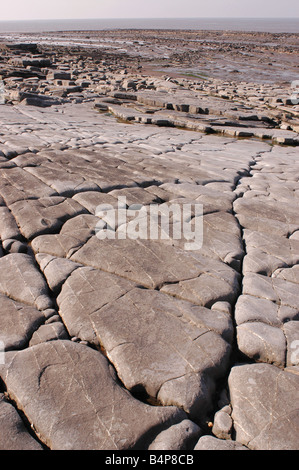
(71, 9)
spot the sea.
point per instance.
(270, 25)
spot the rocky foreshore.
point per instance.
(113, 338)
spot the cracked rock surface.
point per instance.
(116, 334)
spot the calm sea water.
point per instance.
(271, 25)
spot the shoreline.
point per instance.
(232, 56)
(272, 25)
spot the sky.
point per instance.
(83, 9)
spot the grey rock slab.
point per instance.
(103, 288)
(266, 225)
(8, 225)
(182, 436)
(62, 244)
(213, 235)
(213, 199)
(56, 270)
(268, 209)
(222, 238)
(207, 289)
(49, 332)
(137, 196)
(257, 261)
(17, 323)
(40, 101)
(65, 183)
(213, 443)
(28, 160)
(288, 274)
(92, 199)
(282, 292)
(265, 406)
(163, 345)
(17, 184)
(267, 253)
(153, 264)
(10, 245)
(262, 343)
(14, 435)
(22, 281)
(133, 325)
(73, 235)
(43, 215)
(78, 414)
(58, 75)
(84, 292)
(254, 309)
(223, 222)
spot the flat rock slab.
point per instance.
(266, 209)
(74, 233)
(84, 387)
(212, 443)
(8, 225)
(147, 329)
(92, 199)
(17, 184)
(255, 309)
(84, 292)
(49, 332)
(17, 323)
(14, 435)
(262, 342)
(211, 198)
(22, 281)
(56, 270)
(267, 253)
(277, 290)
(178, 370)
(44, 215)
(288, 274)
(265, 406)
(187, 275)
(65, 183)
(266, 311)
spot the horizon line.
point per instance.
(159, 18)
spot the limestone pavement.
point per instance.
(122, 343)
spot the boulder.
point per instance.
(212, 443)
(182, 436)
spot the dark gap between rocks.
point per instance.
(28, 426)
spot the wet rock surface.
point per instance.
(117, 332)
